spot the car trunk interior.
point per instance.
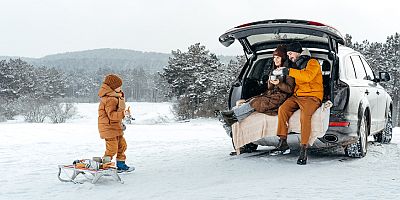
(256, 77)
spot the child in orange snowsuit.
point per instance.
(111, 112)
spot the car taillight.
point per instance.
(315, 23)
(244, 25)
(339, 124)
(321, 24)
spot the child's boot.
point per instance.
(122, 167)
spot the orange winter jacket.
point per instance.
(111, 112)
(308, 80)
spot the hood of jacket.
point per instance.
(304, 57)
(105, 90)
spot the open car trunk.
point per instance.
(259, 40)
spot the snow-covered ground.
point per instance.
(178, 160)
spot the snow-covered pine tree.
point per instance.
(16, 78)
(16, 81)
(347, 40)
(384, 58)
(83, 85)
(190, 76)
(49, 83)
(177, 74)
(392, 61)
(199, 81)
(225, 77)
(26, 90)
(160, 88)
(137, 84)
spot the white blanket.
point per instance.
(259, 125)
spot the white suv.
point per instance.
(361, 106)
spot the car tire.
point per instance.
(385, 136)
(359, 149)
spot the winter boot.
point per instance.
(282, 148)
(229, 117)
(303, 155)
(242, 150)
(122, 167)
(228, 114)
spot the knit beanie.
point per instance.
(113, 81)
(295, 46)
(281, 51)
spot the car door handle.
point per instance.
(377, 92)
(366, 92)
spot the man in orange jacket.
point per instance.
(307, 97)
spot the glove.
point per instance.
(279, 72)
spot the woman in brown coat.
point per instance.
(279, 89)
(111, 112)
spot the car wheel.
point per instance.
(385, 136)
(359, 149)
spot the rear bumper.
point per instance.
(345, 135)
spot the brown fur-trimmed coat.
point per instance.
(269, 101)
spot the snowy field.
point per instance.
(183, 160)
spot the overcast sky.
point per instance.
(35, 28)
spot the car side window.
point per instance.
(370, 73)
(349, 69)
(359, 68)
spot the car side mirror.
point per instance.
(384, 76)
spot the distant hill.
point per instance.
(104, 58)
(101, 58)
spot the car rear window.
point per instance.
(260, 38)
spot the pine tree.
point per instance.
(16, 81)
(191, 78)
(24, 88)
(347, 41)
(392, 61)
(16, 78)
(49, 83)
(199, 81)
